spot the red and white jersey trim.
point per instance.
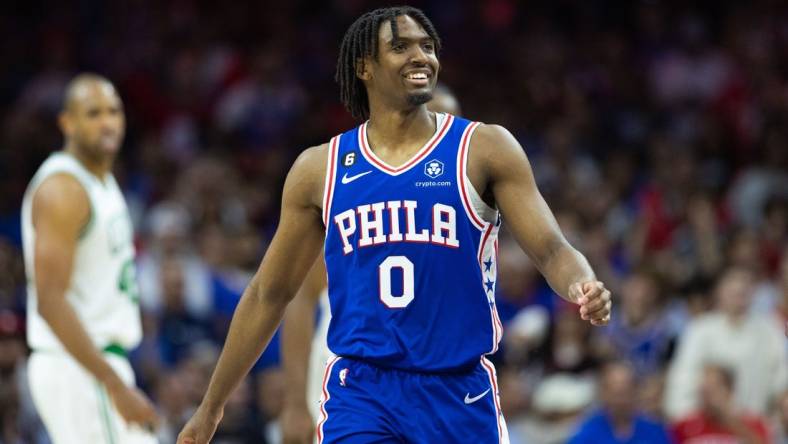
(324, 399)
(489, 232)
(331, 173)
(503, 432)
(373, 159)
(487, 249)
(462, 184)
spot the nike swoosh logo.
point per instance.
(469, 400)
(346, 180)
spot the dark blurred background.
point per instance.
(657, 130)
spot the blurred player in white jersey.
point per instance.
(83, 303)
(304, 364)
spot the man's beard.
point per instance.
(419, 98)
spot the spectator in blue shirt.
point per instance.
(618, 422)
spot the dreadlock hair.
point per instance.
(361, 40)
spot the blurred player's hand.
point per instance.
(200, 428)
(133, 406)
(297, 425)
(594, 300)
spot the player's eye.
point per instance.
(429, 47)
(398, 47)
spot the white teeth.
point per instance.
(418, 76)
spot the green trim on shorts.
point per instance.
(109, 430)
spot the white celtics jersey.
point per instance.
(103, 288)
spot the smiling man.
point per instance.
(407, 207)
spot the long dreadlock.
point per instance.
(361, 40)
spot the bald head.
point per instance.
(81, 87)
(92, 118)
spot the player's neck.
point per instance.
(400, 128)
(96, 167)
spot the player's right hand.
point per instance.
(200, 428)
(132, 404)
(297, 425)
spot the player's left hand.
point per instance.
(594, 300)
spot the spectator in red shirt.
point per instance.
(720, 420)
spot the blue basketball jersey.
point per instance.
(411, 261)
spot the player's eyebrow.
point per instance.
(401, 39)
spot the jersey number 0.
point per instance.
(384, 273)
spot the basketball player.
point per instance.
(82, 310)
(407, 206)
(304, 349)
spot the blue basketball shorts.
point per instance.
(363, 403)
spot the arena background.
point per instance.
(657, 130)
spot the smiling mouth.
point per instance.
(418, 78)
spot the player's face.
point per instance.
(95, 121)
(407, 67)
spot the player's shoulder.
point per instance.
(60, 187)
(307, 175)
(492, 142)
(61, 197)
(487, 134)
(312, 160)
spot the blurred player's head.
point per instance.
(390, 54)
(92, 118)
(443, 101)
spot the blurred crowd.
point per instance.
(657, 131)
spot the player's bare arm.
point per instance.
(61, 210)
(291, 254)
(499, 169)
(297, 332)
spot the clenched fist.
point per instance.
(594, 300)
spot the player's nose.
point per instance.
(110, 123)
(418, 56)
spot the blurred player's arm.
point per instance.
(298, 329)
(498, 161)
(61, 210)
(292, 252)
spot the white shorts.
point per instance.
(74, 407)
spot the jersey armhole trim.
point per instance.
(328, 188)
(462, 163)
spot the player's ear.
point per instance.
(362, 70)
(65, 122)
